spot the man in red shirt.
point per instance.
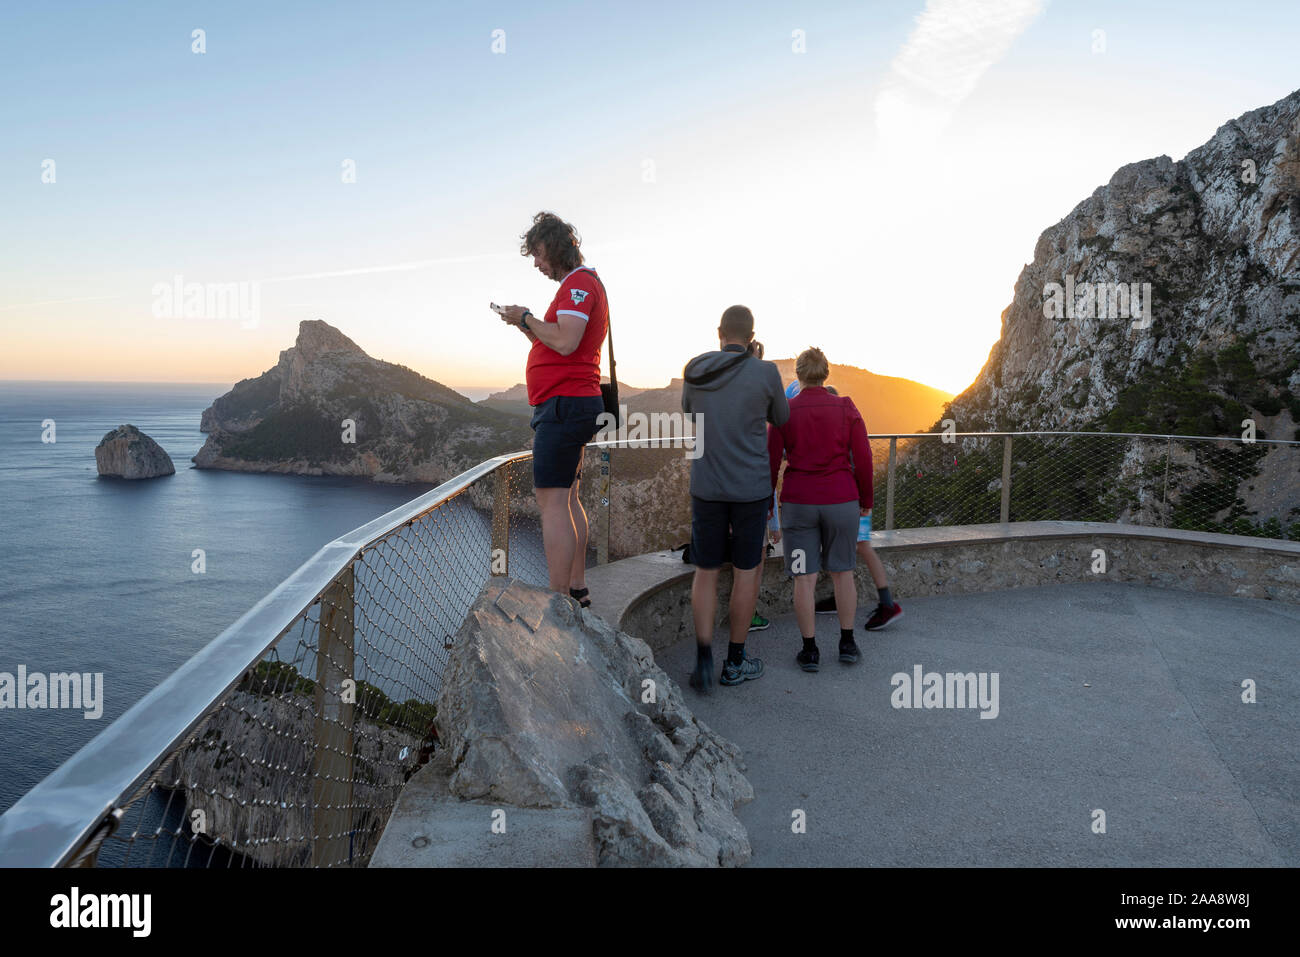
(563, 377)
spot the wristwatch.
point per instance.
(523, 320)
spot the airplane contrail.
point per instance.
(337, 273)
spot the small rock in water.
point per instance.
(128, 453)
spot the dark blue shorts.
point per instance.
(562, 426)
(728, 532)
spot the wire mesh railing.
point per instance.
(287, 740)
(1195, 483)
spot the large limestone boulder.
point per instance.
(128, 453)
(545, 705)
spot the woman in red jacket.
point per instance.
(822, 498)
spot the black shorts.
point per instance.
(728, 532)
(562, 426)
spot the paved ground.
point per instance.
(1113, 697)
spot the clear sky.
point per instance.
(876, 194)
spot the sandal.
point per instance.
(580, 595)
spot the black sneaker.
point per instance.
(849, 651)
(748, 669)
(809, 660)
(826, 606)
(702, 676)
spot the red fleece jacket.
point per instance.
(823, 431)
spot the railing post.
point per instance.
(1164, 496)
(331, 783)
(889, 484)
(1006, 479)
(87, 853)
(602, 515)
(499, 561)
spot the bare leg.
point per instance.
(874, 565)
(559, 539)
(744, 596)
(704, 604)
(578, 574)
(846, 596)
(804, 613)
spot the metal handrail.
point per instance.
(1115, 435)
(49, 824)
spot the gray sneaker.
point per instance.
(748, 669)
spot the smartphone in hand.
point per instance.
(499, 310)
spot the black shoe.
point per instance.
(826, 606)
(849, 651)
(702, 676)
(809, 660)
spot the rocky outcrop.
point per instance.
(1215, 238)
(128, 453)
(544, 705)
(327, 408)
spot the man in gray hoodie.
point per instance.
(734, 394)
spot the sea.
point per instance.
(97, 574)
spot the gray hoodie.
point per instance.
(735, 407)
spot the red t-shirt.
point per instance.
(549, 373)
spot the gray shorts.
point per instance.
(827, 536)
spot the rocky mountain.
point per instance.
(515, 398)
(328, 408)
(1166, 303)
(1212, 242)
(887, 403)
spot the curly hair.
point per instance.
(558, 239)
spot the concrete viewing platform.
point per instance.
(1111, 697)
(1119, 691)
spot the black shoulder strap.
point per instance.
(609, 325)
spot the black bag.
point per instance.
(609, 390)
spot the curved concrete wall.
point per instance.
(649, 595)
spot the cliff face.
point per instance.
(406, 428)
(1214, 240)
